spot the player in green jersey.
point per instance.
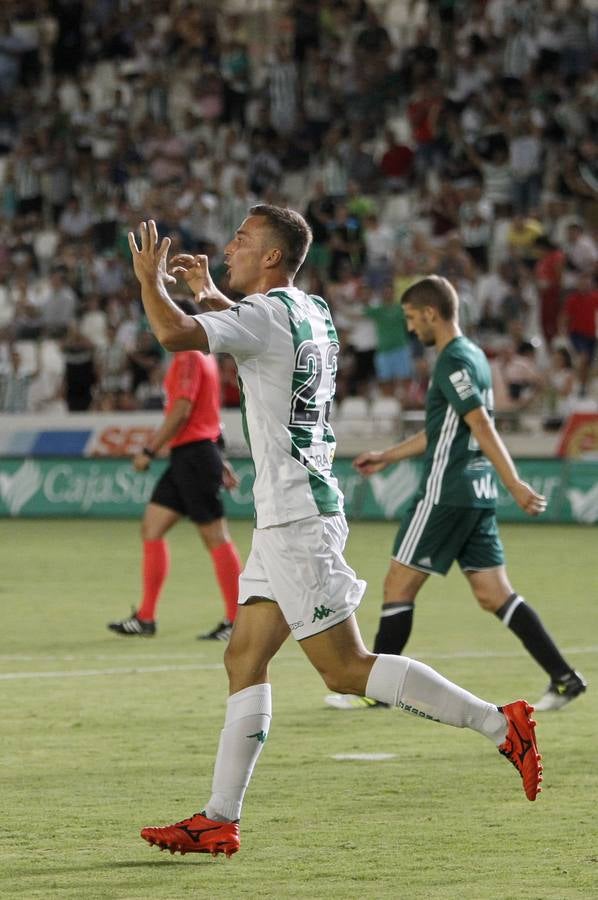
(453, 515)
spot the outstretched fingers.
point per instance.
(144, 236)
(163, 249)
(163, 261)
(133, 244)
(150, 258)
(153, 234)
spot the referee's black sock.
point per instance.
(394, 629)
(526, 624)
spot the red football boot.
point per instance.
(520, 745)
(197, 834)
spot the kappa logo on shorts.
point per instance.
(461, 381)
(321, 612)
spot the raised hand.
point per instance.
(150, 262)
(195, 272)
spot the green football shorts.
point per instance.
(432, 537)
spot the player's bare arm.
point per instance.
(196, 273)
(170, 426)
(173, 328)
(372, 461)
(493, 448)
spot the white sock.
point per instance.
(246, 725)
(418, 689)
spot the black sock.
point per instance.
(394, 628)
(526, 624)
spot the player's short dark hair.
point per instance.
(433, 291)
(291, 229)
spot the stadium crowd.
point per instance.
(441, 136)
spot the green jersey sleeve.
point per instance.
(458, 379)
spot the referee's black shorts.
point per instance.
(191, 483)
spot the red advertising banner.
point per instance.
(579, 439)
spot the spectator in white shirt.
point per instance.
(28, 318)
(75, 221)
(470, 78)
(137, 186)
(475, 225)
(94, 322)
(519, 52)
(497, 176)
(7, 306)
(491, 292)
(380, 248)
(580, 248)
(57, 301)
(525, 158)
(15, 383)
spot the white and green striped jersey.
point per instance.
(286, 348)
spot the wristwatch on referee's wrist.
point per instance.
(147, 452)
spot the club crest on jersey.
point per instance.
(461, 382)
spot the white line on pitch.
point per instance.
(81, 673)
(134, 657)
(483, 654)
(296, 660)
(364, 757)
(71, 657)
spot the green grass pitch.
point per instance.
(101, 735)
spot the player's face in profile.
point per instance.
(419, 324)
(243, 255)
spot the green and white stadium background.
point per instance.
(80, 466)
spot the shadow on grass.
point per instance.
(105, 866)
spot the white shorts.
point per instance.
(301, 567)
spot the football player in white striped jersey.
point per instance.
(296, 578)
